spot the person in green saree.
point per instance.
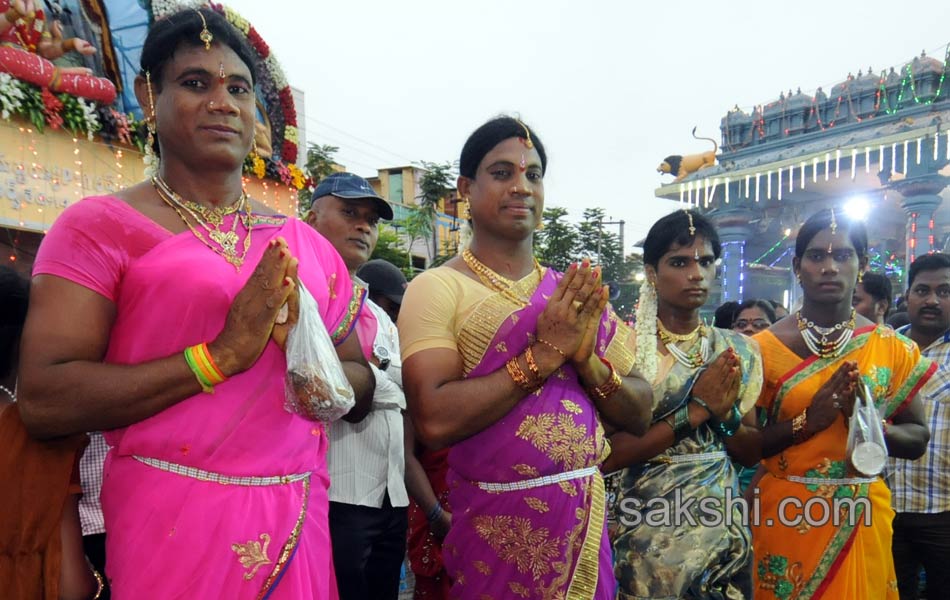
(678, 529)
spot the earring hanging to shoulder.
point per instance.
(150, 157)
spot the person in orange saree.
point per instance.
(821, 528)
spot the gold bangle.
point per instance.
(798, 427)
(609, 387)
(12, 15)
(518, 375)
(552, 346)
(100, 583)
(532, 365)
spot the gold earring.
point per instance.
(860, 276)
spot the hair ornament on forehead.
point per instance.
(527, 135)
(205, 36)
(834, 222)
(692, 228)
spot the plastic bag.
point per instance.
(866, 448)
(316, 386)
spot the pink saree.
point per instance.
(219, 496)
(527, 495)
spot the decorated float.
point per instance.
(70, 125)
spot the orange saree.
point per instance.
(821, 530)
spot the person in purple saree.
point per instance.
(519, 369)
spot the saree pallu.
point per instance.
(222, 495)
(526, 493)
(839, 544)
(684, 550)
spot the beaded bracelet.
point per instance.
(552, 346)
(203, 366)
(609, 387)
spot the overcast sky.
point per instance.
(611, 87)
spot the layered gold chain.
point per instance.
(493, 280)
(222, 242)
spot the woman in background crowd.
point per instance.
(753, 316)
(872, 297)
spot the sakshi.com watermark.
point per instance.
(713, 511)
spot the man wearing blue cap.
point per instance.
(366, 460)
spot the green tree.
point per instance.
(389, 247)
(435, 185)
(555, 244)
(320, 163)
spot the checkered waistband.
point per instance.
(202, 475)
(537, 482)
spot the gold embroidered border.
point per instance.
(584, 581)
(618, 351)
(352, 311)
(290, 544)
(478, 330)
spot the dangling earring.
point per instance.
(860, 276)
(150, 158)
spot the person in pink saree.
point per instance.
(518, 368)
(156, 317)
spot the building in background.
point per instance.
(400, 187)
(874, 147)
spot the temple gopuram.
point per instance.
(70, 125)
(875, 147)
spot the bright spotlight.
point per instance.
(857, 208)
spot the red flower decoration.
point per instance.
(51, 107)
(289, 151)
(258, 42)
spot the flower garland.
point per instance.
(645, 329)
(284, 121)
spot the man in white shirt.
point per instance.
(366, 460)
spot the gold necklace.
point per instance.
(816, 337)
(214, 216)
(226, 240)
(493, 280)
(695, 357)
(681, 337)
